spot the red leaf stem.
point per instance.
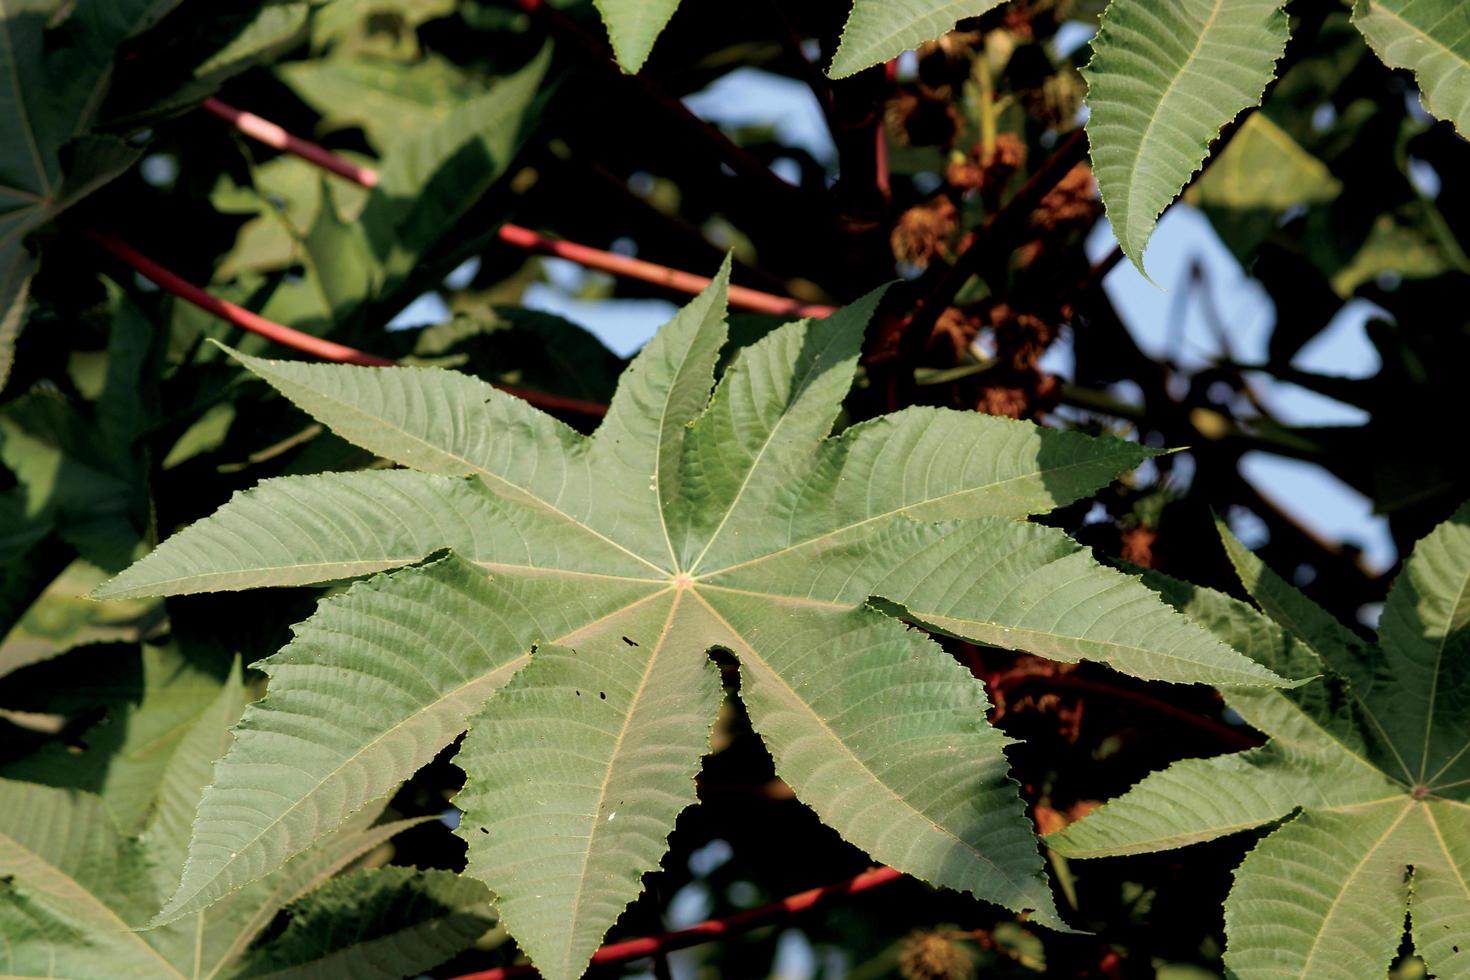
(267, 132)
(237, 315)
(288, 337)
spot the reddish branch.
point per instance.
(686, 282)
(593, 258)
(713, 929)
(270, 134)
(287, 337)
(237, 315)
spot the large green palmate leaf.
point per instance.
(75, 888)
(588, 577)
(1431, 38)
(1164, 79)
(1369, 766)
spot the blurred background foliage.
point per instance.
(1314, 319)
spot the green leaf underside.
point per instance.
(879, 30)
(1165, 77)
(633, 26)
(685, 523)
(1431, 38)
(75, 890)
(1326, 894)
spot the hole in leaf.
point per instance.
(629, 642)
(602, 694)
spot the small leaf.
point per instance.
(1164, 79)
(154, 699)
(633, 26)
(879, 30)
(71, 875)
(1431, 38)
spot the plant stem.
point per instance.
(239, 316)
(687, 282)
(270, 134)
(713, 929)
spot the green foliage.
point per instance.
(1368, 765)
(76, 888)
(878, 30)
(1165, 77)
(1431, 38)
(597, 573)
(52, 94)
(578, 621)
(1261, 173)
(633, 26)
(359, 264)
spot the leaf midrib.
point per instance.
(798, 389)
(896, 512)
(929, 616)
(1347, 884)
(653, 658)
(1434, 680)
(1444, 847)
(1155, 114)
